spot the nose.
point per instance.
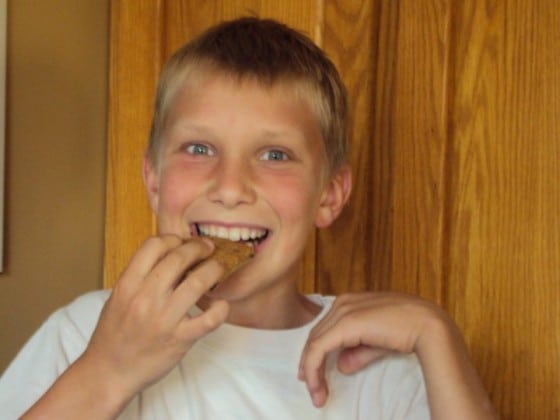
(232, 184)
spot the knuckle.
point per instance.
(198, 246)
(345, 303)
(314, 346)
(215, 316)
(343, 309)
(138, 309)
(153, 242)
(175, 258)
(120, 289)
(212, 321)
(341, 300)
(348, 297)
(197, 283)
(214, 267)
(209, 270)
(162, 242)
(161, 328)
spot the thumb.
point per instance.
(351, 360)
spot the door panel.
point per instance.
(504, 196)
(456, 158)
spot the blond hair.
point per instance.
(270, 53)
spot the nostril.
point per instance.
(232, 188)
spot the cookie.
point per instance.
(231, 254)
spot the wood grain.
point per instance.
(134, 64)
(419, 139)
(456, 158)
(504, 170)
(352, 254)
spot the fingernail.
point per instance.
(207, 241)
(317, 399)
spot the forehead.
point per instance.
(219, 99)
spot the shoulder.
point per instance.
(403, 367)
(52, 348)
(86, 306)
(77, 320)
(66, 333)
(391, 387)
(402, 381)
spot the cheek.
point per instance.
(294, 199)
(177, 190)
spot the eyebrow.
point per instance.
(202, 128)
(190, 126)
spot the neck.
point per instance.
(279, 311)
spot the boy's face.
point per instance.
(242, 161)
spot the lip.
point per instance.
(239, 232)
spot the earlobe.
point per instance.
(151, 182)
(335, 196)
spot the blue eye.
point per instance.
(275, 155)
(199, 149)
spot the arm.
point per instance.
(143, 331)
(452, 383)
(368, 326)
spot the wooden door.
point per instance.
(456, 157)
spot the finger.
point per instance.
(342, 306)
(171, 268)
(338, 336)
(196, 283)
(142, 262)
(191, 329)
(150, 252)
(320, 392)
(316, 384)
(354, 359)
(330, 326)
(313, 360)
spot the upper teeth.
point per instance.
(231, 233)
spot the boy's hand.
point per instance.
(364, 327)
(144, 328)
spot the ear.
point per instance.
(151, 182)
(335, 196)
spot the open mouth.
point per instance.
(253, 236)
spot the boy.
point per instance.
(248, 143)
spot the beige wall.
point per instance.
(55, 155)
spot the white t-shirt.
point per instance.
(232, 373)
